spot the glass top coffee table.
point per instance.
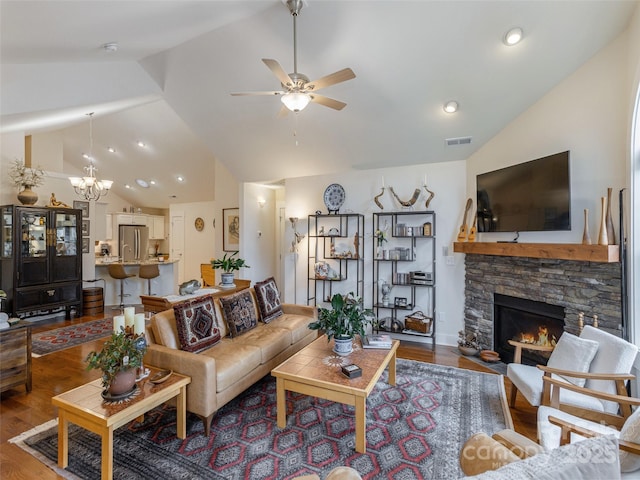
(317, 371)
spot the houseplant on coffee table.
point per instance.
(228, 264)
(346, 318)
(119, 358)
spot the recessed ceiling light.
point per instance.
(180, 178)
(141, 144)
(111, 150)
(451, 106)
(512, 37)
(142, 183)
(152, 182)
(127, 186)
(86, 156)
(110, 47)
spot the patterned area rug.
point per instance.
(414, 430)
(44, 343)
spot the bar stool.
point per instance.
(116, 270)
(149, 271)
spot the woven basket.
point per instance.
(418, 322)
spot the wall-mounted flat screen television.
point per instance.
(529, 197)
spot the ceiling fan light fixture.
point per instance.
(296, 101)
(513, 37)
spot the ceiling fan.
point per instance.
(298, 91)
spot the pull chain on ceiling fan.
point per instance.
(298, 90)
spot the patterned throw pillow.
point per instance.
(239, 312)
(196, 324)
(268, 299)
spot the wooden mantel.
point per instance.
(558, 251)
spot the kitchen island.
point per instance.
(165, 284)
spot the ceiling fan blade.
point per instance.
(336, 77)
(278, 71)
(328, 102)
(236, 94)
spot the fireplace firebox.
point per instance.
(526, 321)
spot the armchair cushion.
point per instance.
(196, 324)
(268, 298)
(630, 432)
(549, 434)
(615, 355)
(239, 312)
(573, 353)
(596, 459)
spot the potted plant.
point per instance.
(468, 343)
(25, 178)
(346, 318)
(228, 264)
(119, 358)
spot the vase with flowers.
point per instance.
(24, 179)
(381, 237)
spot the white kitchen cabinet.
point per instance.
(156, 227)
(131, 219)
(109, 227)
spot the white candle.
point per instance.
(425, 181)
(138, 327)
(118, 323)
(382, 181)
(129, 312)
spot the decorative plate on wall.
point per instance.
(334, 197)
(199, 224)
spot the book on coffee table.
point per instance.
(377, 340)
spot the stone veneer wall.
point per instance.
(589, 287)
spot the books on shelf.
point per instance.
(378, 340)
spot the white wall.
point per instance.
(227, 195)
(258, 232)
(586, 114)
(447, 180)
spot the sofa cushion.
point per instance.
(481, 453)
(239, 312)
(268, 298)
(296, 324)
(270, 341)
(573, 353)
(196, 324)
(165, 332)
(234, 361)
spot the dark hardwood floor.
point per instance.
(61, 371)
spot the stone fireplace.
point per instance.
(572, 285)
(526, 321)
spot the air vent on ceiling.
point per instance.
(457, 141)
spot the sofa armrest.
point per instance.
(304, 310)
(201, 392)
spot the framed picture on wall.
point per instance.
(231, 229)
(85, 245)
(86, 228)
(81, 205)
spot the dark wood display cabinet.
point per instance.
(41, 260)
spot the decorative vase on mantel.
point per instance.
(27, 196)
(603, 238)
(611, 234)
(586, 238)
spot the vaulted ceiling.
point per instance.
(170, 80)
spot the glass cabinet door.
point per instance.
(66, 234)
(33, 226)
(6, 241)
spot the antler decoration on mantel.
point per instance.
(407, 203)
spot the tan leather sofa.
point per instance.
(225, 370)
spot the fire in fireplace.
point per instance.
(526, 321)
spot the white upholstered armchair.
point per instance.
(596, 360)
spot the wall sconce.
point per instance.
(297, 237)
(261, 202)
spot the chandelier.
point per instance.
(89, 187)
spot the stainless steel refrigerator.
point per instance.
(133, 243)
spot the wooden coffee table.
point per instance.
(85, 407)
(315, 370)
